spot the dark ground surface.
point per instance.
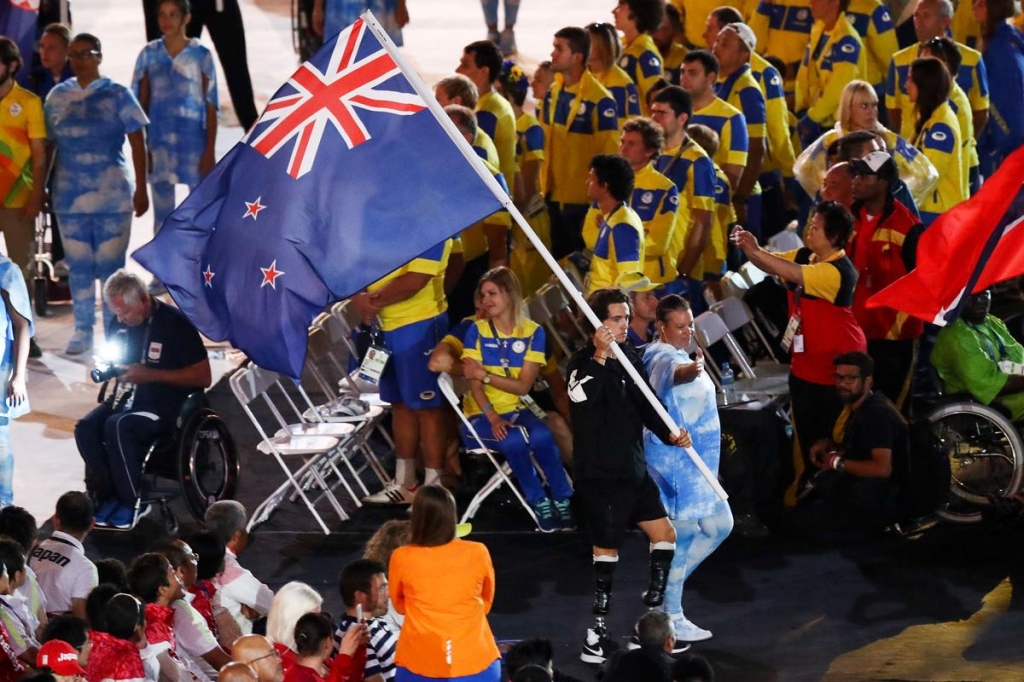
(942, 607)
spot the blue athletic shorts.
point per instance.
(406, 379)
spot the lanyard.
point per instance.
(502, 349)
(683, 147)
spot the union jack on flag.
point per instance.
(348, 175)
(300, 113)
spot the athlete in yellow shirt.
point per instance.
(619, 248)
(690, 168)
(655, 199)
(481, 63)
(937, 135)
(783, 28)
(640, 59)
(875, 27)
(672, 53)
(717, 249)
(835, 56)
(581, 121)
(603, 63)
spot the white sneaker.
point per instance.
(688, 632)
(392, 494)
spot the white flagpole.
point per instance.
(485, 175)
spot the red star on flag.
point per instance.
(208, 276)
(253, 208)
(270, 275)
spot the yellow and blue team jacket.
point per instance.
(940, 141)
(717, 247)
(972, 79)
(618, 249)
(495, 117)
(830, 62)
(623, 91)
(779, 154)
(741, 90)
(656, 200)
(672, 62)
(693, 173)
(783, 28)
(962, 109)
(695, 15)
(965, 27)
(641, 61)
(875, 27)
(580, 123)
(428, 302)
(728, 122)
(474, 237)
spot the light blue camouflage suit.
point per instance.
(13, 283)
(177, 117)
(701, 520)
(93, 184)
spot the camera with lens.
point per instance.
(106, 363)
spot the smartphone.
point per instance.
(359, 613)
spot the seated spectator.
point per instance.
(211, 553)
(115, 653)
(197, 645)
(238, 590)
(96, 603)
(11, 665)
(237, 672)
(977, 355)
(291, 602)
(61, 660)
(65, 574)
(71, 631)
(652, 659)
(389, 537)
(531, 654)
(693, 668)
(12, 613)
(152, 579)
(313, 646)
(19, 525)
(258, 653)
(864, 465)
(112, 571)
(364, 591)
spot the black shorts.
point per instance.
(610, 508)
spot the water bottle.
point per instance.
(728, 385)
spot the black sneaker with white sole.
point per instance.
(597, 647)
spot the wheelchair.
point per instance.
(200, 459)
(984, 451)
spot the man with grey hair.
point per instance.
(158, 359)
(239, 594)
(650, 650)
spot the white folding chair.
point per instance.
(753, 274)
(250, 383)
(710, 330)
(365, 423)
(734, 285)
(558, 305)
(540, 314)
(738, 318)
(503, 472)
(299, 424)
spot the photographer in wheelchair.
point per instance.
(156, 358)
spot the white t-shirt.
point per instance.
(63, 571)
(194, 637)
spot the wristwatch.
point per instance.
(486, 379)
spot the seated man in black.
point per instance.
(864, 464)
(162, 360)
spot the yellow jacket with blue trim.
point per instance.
(831, 60)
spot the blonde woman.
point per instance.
(503, 354)
(858, 110)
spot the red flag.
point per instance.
(967, 249)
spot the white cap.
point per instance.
(745, 33)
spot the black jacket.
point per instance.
(609, 414)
